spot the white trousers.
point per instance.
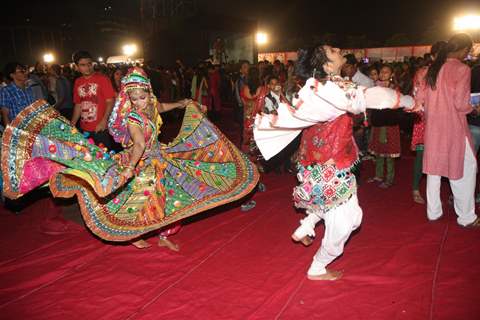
(339, 224)
(463, 191)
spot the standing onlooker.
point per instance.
(67, 72)
(166, 85)
(350, 70)
(280, 72)
(290, 88)
(249, 94)
(271, 103)
(474, 117)
(373, 73)
(16, 95)
(360, 129)
(419, 127)
(180, 74)
(476, 78)
(200, 86)
(214, 100)
(3, 81)
(61, 89)
(116, 78)
(37, 80)
(93, 96)
(239, 84)
(385, 136)
(448, 143)
(153, 73)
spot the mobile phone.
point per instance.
(475, 99)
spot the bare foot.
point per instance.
(306, 241)
(164, 242)
(141, 244)
(331, 275)
(417, 197)
(385, 185)
(374, 179)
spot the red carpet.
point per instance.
(235, 265)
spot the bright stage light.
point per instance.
(100, 59)
(469, 22)
(129, 49)
(261, 38)
(48, 58)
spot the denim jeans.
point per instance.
(475, 131)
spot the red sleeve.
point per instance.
(107, 88)
(76, 98)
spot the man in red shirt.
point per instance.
(93, 96)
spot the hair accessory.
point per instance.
(136, 78)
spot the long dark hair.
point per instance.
(112, 79)
(310, 63)
(436, 47)
(457, 42)
(253, 80)
(202, 73)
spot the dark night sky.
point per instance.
(376, 19)
(420, 21)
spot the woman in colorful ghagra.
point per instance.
(327, 189)
(146, 187)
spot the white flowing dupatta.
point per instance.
(316, 103)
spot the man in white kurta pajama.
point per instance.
(327, 187)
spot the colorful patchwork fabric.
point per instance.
(201, 169)
(323, 187)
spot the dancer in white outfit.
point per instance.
(327, 151)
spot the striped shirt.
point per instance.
(15, 99)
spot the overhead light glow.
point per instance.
(261, 38)
(48, 58)
(468, 22)
(129, 49)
